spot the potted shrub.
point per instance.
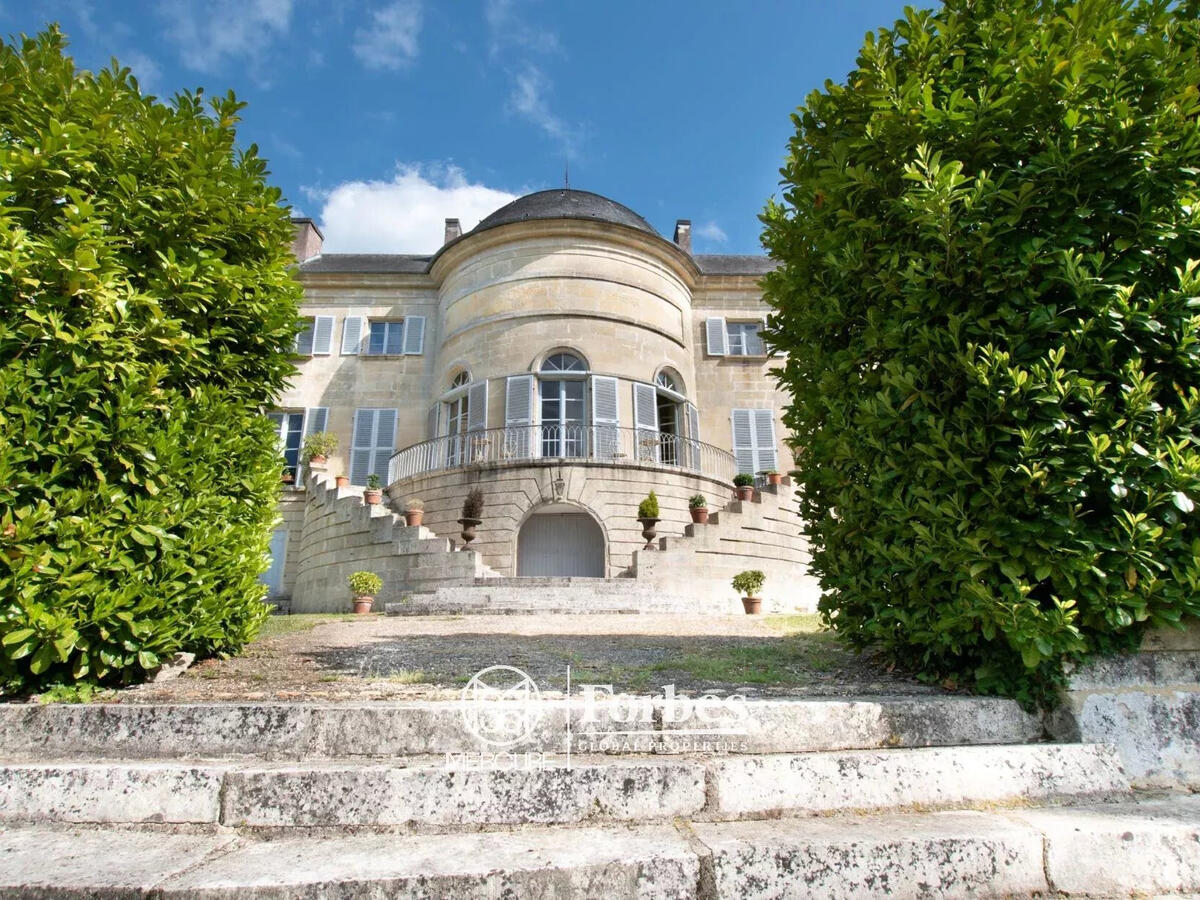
(374, 492)
(414, 512)
(698, 507)
(287, 477)
(648, 516)
(748, 584)
(745, 486)
(364, 586)
(318, 446)
(774, 477)
(472, 511)
(343, 481)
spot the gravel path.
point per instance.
(375, 657)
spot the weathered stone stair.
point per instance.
(936, 796)
(342, 535)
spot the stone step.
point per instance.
(1142, 847)
(389, 730)
(462, 792)
(583, 595)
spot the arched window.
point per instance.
(562, 386)
(462, 379)
(563, 362)
(669, 381)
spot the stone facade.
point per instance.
(450, 363)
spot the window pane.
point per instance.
(304, 340)
(395, 337)
(375, 343)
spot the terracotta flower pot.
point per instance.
(775, 478)
(414, 517)
(373, 498)
(468, 531)
(287, 478)
(700, 515)
(343, 481)
(745, 492)
(752, 605)
(648, 531)
(317, 460)
(362, 604)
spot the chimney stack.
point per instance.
(683, 235)
(453, 230)
(308, 239)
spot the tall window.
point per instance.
(457, 411)
(290, 428)
(668, 400)
(562, 391)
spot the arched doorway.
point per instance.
(560, 540)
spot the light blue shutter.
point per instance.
(764, 440)
(718, 338)
(477, 401)
(352, 330)
(693, 420)
(273, 577)
(322, 343)
(606, 438)
(362, 445)
(518, 417)
(385, 442)
(645, 421)
(315, 419)
(743, 440)
(414, 335)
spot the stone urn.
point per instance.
(648, 531)
(468, 530)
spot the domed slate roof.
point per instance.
(565, 204)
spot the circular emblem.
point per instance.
(501, 705)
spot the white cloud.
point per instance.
(507, 29)
(528, 100)
(711, 231)
(145, 70)
(391, 40)
(210, 33)
(406, 214)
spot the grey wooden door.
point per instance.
(561, 544)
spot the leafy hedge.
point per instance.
(146, 311)
(988, 299)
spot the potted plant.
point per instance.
(774, 477)
(745, 486)
(472, 511)
(318, 446)
(748, 584)
(343, 481)
(698, 507)
(364, 586)
(648, 516)
(414, 511)
(374, 492)
(287, 477)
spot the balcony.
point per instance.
(524, 444)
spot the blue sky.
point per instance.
(382, 117)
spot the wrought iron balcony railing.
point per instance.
(597, 443)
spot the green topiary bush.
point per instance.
(146, 314)
(648, 508)
(988, 303)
